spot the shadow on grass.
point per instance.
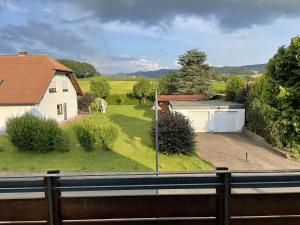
(148, 112)
(134, 127)
(76, 160)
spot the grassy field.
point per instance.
(128, 154)
(117, 86)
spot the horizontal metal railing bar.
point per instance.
(140, 219)
(25, 183)
(265, 184)
(138, 187)
(22, 189)
(265, 217)
(162, 173)
(163, 182)
(274, 178)
(23, 222)
(137, 181)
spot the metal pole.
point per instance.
(156, 133)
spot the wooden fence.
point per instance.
(67, 199)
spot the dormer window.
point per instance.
(1, 81)
(65, 86)
(52, 87)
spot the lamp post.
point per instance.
(156, 108)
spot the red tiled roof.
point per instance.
(182, 97)
(26, 78)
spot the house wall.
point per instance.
(210, 123)
(9, 111)
(49, 102)
(48, 105)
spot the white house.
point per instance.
(212, 115)
(36, 84)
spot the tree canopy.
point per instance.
(195, 74)
(274, 99)
(142, 89)
(99, 87)
(234, 88)
(168, 84)
(81, 69)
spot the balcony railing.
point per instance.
(211, 197)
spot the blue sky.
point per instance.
(131, 35)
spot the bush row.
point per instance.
(31, 133)
(125, 99)
(88, 133)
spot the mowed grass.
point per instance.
(128, 154)
(117, 87)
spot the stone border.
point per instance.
(254, 137)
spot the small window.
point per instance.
(59, 109)
(52, 87)
(65, 86)
(1, 81)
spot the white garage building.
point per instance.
(212, 115)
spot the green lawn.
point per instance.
(127, 155)
(117, 86)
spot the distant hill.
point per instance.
(228, 70)
(243, 70)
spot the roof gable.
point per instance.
(26, 78)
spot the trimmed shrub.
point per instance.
(63, 141)
(95, 105)
(31, 133)
(176, 134)
(120, 99)
(85, 132)
(127, 99)
(99, 87)
(108, 135)
(85, 101)
(142, 90)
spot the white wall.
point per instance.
(48, 105)
(10, 111)
(49, 102)
(240, 120)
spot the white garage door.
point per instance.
(226, 121)
(200, 120)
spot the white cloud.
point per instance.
(12, 7)
(117, 64)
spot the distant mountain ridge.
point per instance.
(228, 70)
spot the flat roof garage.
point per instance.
(212, 115)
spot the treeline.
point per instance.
(273, 103)
(81, 69)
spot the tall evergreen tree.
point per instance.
(195, 76)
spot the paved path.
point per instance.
(229, 150)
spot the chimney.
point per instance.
(22, 52)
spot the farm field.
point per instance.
(133, 150)
(117, 86)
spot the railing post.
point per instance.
(52, 195)
(224, 194)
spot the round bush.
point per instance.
(85, 132)
(32, 133)
(175, 134)
(108, 135)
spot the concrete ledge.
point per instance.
(254, 137)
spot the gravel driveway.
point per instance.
(229, 150)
